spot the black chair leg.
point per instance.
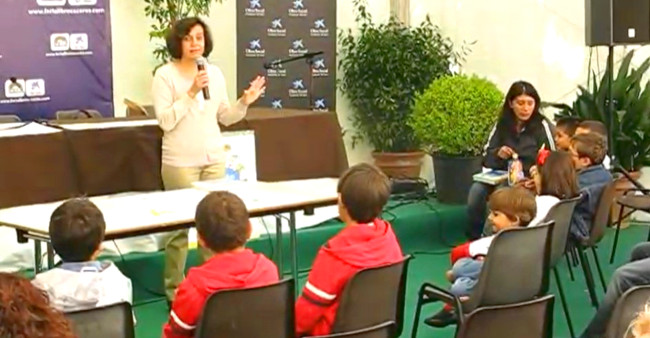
(589, 278)
(648, 234)
(574, 255)
(564, 305)
(568, 264)
(600, 271)
(618, 230)
(416, 319)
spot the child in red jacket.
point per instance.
(223, 227)
(366, 241)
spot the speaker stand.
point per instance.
(610, 102)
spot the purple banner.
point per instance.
(55, 55)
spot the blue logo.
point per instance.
(297, 48)
(277, 71)
(297, 84)
(255, 49)
(276, 104)
(320, 29)
(320, 104)
(276, 29)
(254, 8)
(319, 68)
(297, 88)
(298, 9)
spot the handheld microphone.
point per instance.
(200, 65)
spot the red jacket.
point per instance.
(354, 248)
(231, 270)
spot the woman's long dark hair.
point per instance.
(508, 119)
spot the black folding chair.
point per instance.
(115, 321)
(631, 200)
(525, 275)
(626, 309)
(265, 311)
(383, 330)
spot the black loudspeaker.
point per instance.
(617, 22)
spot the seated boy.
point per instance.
(223, 227)
(365, 241)
(509, 207)
(593, 126)
(81, 282)
(588, 151)
(565, 128)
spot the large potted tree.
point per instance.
(382, 67)
(629, 125)
(452, 119)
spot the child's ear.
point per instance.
(200, 240)
(516, 221)
(249, 230)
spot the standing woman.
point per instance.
(520, 130)
(192, 147)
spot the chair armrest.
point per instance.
(643, 191)
(436, 293)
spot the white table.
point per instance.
(139, 213)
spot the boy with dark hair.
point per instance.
(597, 127)
(365, 241)
(565, 128)
(223, 227)
(509, 207)
(588, 151)
(81, 282)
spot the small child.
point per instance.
(509, 208)
(81, 282)
(565, 128)
(365, 241)
(223, 227)
(593, 126)
(588, 151)
(555, 180)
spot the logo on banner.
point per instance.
(277, 71)
(51, 2)
(79, 41)
(297, 48)
(254, 8)
(82, 2)
(14, 88)
(320, 104)
(276, 29)
(319, 30)
(319, 69)
(35, 87)
(59, 42)
(298, 9)
(276, 104)
(255, 49)
(297, 89)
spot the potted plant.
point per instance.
(383, 66)
(452, 119)
(630, 123)
(166, 13)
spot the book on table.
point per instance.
(491, 177)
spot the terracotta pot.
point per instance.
(399, 165)
(622, 184)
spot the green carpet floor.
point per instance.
(425, 229)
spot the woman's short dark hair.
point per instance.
(559, 176)
(76, 230)
(364, 190)
(180, 29)
(508, 118)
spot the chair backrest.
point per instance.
(109, 321)
(265, 311)
(381, 289)
(601, 219)
(9, 118)
(383, 330)
(626, 309)
(134, 109)
(561, 214)
(530, 319)
(77, 114)
(516, 268)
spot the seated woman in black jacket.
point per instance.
(521, 129)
